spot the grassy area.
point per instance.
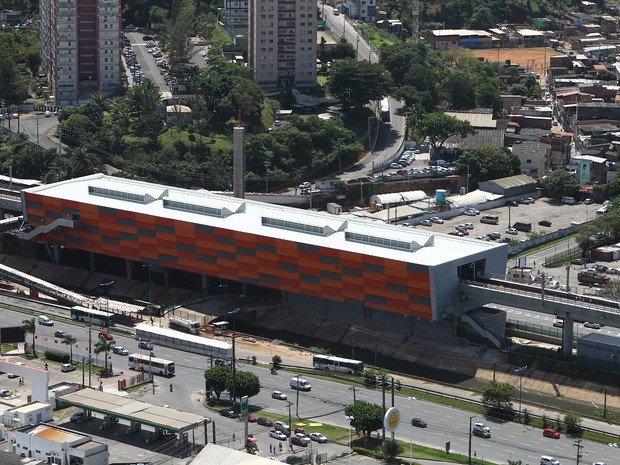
(215, 141)
(376, 36)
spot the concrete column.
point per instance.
(205, 284)
(166, 277)
(567, 336)
(91, 257)
(129, 268)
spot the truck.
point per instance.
(592, 277)
(300, 384)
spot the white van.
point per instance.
(569, 200)
(45, 321)
(489, 219)
(300, 384)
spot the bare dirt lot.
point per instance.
(529, 57)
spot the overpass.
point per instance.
(570, 307)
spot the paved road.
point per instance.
(39, 128)
(326, 401)
(149, 68)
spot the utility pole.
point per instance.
(578, 445)
(383, 391)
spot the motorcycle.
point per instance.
(274, 371)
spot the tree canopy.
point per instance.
(560, 183)
(356, 83)
(439, 127)
(367, 417)
(496, 398)
(487, 163)
(218, 379)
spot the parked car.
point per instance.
(396, 166)
(511, 231)
(107, 336)
(600, 268)
(67, 367)
(301, 430)
(5, 393)
(263, 421)
(426, 223)
(229, 413)
(418, 422)
(282, 426)
(48, 113)
(456, 232)
(512, 203)
(305, 185)
(300, 440)
(588, 201)
(251, 418)
(59, 333)
(436, 219)
(278, 435)
(318, 437)
(77, 417)
(494, 236)
(545, 223)
(462, 230)
(551, 433)
(120, 350)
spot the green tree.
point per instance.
(82, 162)
(572, 423)
(104, 345)
(482, 18)
(246, 384)
(367, 417)
(69, 340)
(218, 379)
(177, 31)
(30, 327)
(356, 83)
(144, 103)
(276, 361)
(560, 183)
(496, 398)
(487, 163)
(439, 127)
(390, 449)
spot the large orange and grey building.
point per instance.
(335, 267)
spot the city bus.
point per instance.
(93, 317)
(385, 109)
(187, 326)
(158, 366)
(345, 365)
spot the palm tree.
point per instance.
(103, 345)
(69, 340)
(30, 326)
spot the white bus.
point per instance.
(158, 366)
(187, 326)
(345, 365)
(601, 211)
(193, 343)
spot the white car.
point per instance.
(318, 437)
(436, 219)
(305, 185)
(278, 435)
(67, 367)
(120, 350)
(5, 393)
(278, 395)
(511, 231)
(396, 166)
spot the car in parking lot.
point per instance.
(59, 333)
(120, 350)
(588, 201)
(545, 223)
(5, 393)
(229, 413)
(77, 417)
(147, 37)
(300, 440)
(279, 395)
(494, 236)
(418, 422)
(512, 203)
(305, 185)
(67, 367)
(591, 325)
(396, 166)
(426, 223)
(600, 268)
(274, 433)
(456, 232)
(551, 433)
(318, 437)
(464, 231)
(264, 421)
(48, 113)
(511, 231)
(436, 219)
(282, 426)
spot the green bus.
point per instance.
(93, 317)
(331, 363)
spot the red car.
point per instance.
(107, 336)
(252, 418)
(551, 433)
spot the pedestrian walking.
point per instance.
(280, 447)
(45, 366)
(270, 449)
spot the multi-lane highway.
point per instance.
(326, 401)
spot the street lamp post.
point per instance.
(520, 371)
(267, 166)
(350, 418)
(411, 399)
(234, 359)
(469, 453)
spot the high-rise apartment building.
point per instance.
(80, 47)
(282, 42)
